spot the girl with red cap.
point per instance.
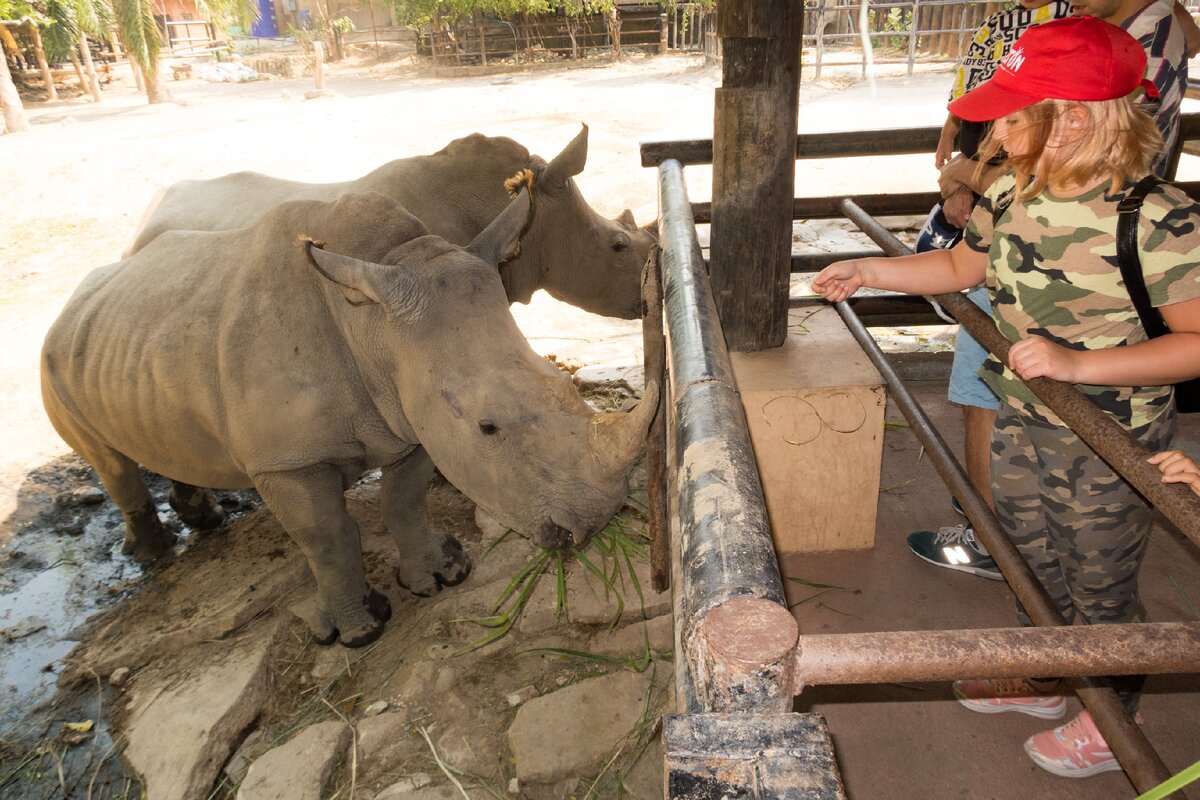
(1044, 240)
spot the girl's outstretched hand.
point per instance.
(838, 281)
(1037, 357)
(1177, 467)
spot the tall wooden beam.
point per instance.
(754, 167)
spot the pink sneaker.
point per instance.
(997, 695)
(1074, 750)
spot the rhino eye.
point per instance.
(620, 244)
(488, 427)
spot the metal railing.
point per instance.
(738, 648)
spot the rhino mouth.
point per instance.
(554, 536)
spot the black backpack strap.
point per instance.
(1128, 216)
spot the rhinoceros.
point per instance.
(569, 250)
(240, 358)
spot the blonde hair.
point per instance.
(1120, 141)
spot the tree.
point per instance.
(574, 10)
(14, 110)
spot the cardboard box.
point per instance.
(815, 412)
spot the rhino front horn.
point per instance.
(620, 437)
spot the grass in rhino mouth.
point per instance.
(609, 557)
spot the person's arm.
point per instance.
(960, 172)
(1170, 358)
(932, 272)
(1177, 467)
(1188, 27)
(945, 146)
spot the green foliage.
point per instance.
(343, 25)
(226, 14)
(140, 34)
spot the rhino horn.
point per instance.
(366, 282)
(568, 163)
(499, 240)
(620, 437)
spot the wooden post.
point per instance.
(662, 34)
(754, 168)
(319, 66)
(43, 65)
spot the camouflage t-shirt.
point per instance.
(1053, 272)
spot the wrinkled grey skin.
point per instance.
(569, 250)
(237, 359)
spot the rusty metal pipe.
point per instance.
(1072, 650)
(1138, 758)
(725, 576)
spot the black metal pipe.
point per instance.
(843, 144)
(1128, 743)
(721, 537)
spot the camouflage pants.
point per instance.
(1080, 527)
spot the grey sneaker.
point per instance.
(957, 506)
(955, 547)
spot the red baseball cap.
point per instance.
(1077, 58)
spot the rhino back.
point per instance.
(229, 202)
(212, 357)
(456, 191)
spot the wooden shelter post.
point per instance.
(754, 168)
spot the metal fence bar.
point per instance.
(1070, 650)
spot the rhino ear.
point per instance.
(627, 221)
(499, 240)
(569, 162)
(354, 276)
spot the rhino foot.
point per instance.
(426, 582)
(146, 538)
(359, 626)
(196, 507)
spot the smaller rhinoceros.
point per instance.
(241, 358)
(568, 249)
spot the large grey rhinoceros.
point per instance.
(257, 361)
(569, 250)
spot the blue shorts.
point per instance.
(966, 387)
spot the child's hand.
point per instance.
(838, 281)
(1176, 467)
(1037, 357)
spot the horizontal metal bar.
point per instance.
(844, 144)
(1070, 650)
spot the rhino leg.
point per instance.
(311, 507)
(197, 507)
(146, 538)
(429, 559)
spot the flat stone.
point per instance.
(572, 731)
(376, 708)
(403, 789)
(300, 768)
(631, 639)
(644, 781)
(589, 604)
(182, 727)
(377, 736)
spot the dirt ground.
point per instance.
(78, 184)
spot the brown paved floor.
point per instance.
(914, 742)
